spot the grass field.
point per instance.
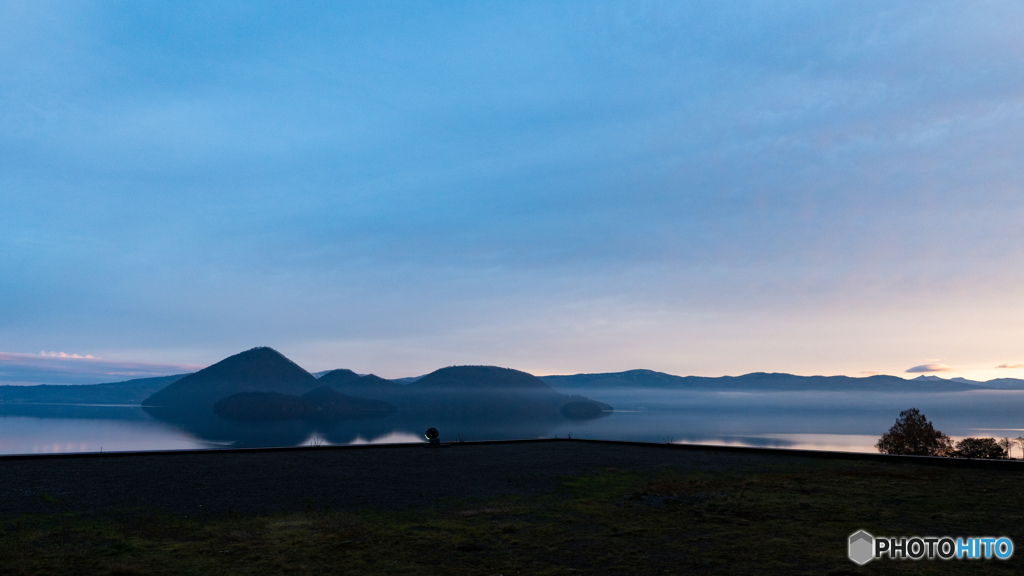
(789, 519)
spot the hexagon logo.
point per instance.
(862, 547)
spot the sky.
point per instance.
(697, 188)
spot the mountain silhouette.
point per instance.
(373, 381)
(477, 393)
(257, 370)
(766, 382)
(259, 397)
(481, 377)
(127, 392)
(349, 380)
(339, 377)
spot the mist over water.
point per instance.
(846, 421)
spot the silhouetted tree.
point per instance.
(979, 448)
(913, 434)
(1019, 441)
(1007, 445)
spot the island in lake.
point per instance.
(260, 397)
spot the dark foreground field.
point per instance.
(562, 507)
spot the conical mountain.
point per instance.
(257, 370)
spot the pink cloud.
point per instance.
(929, 368)
(1010, 366)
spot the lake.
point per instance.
(844, 421)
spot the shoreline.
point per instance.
(825, 454)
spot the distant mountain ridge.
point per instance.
(126, 392)
(264, 369)
(775, 381)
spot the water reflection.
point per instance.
(843, 421)
(390, 438)
(41, 435)
(213, 430)
(828, 442)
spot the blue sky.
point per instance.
(699, 188)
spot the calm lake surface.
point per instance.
(844, 421)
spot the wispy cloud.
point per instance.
(1010, 366)
(929, 368)
(63, 368)
(66, 355)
